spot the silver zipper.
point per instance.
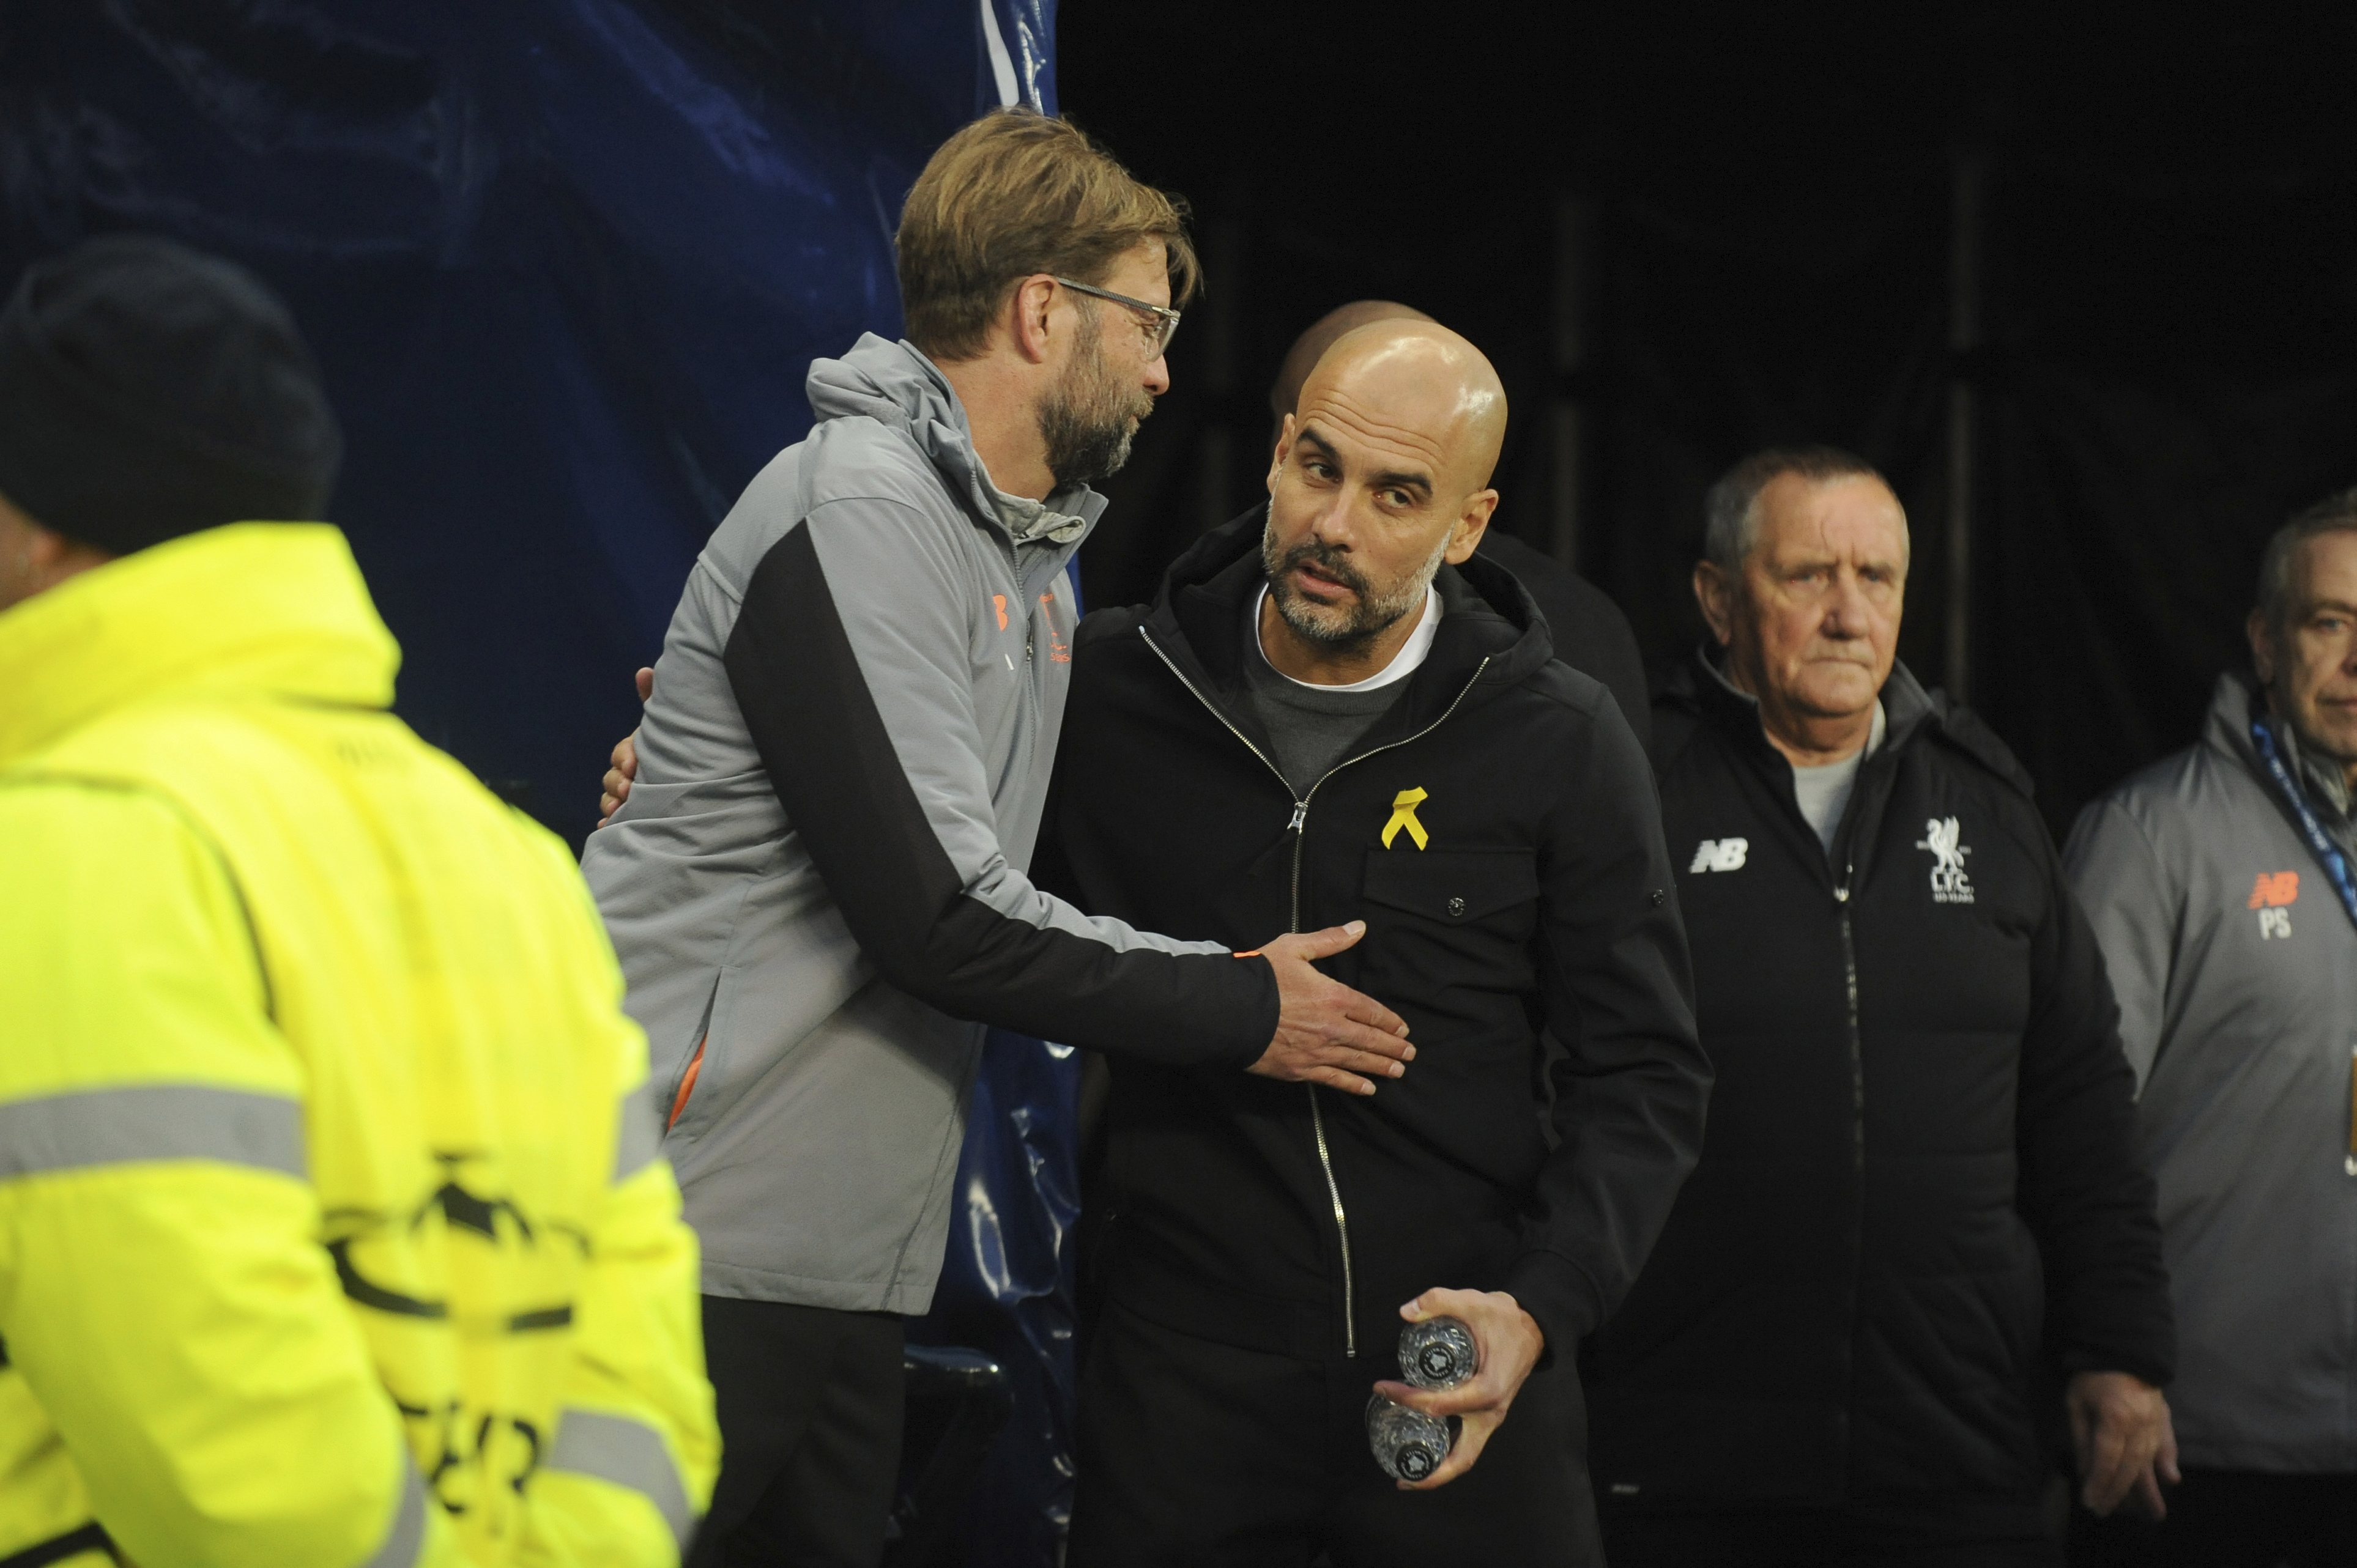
(1857, 1044)
(1856, 1059)
(1342, 1224)
(1300, 833)
(2349, 1162)
(1300, 807)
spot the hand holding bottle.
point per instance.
(1507, 1344)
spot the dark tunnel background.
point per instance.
(2107, 258)
(565, 263)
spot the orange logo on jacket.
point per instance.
(2275, 890)
(1058, 650)
(998, 602)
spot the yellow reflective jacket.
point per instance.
(332, 1229)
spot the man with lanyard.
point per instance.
(2219, 883)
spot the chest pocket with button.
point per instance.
(1493, 892)
(1448, 936)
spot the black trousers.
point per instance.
(2230, 1518)
(1206, 1456)
(1808, 1538)
(809, 1406)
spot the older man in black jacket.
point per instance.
(1338, 713)
(1921, 1189)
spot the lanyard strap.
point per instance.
(2336, 870)
(2328, 854)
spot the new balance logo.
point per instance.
(1719, 855)
(2275, 890)
(2272, 895)
(1944, 838)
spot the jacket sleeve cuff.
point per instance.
(2141, 1363)
(1559, 1296)
(1258, 1016)
(2121, 1327)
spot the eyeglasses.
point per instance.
(1163, 321)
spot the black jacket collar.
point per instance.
(1197, 621)
(1698, 691)
(1694, 698)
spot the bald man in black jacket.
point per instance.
(1338, 710)
(1590, 632)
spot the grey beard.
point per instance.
(1088, 421)
(2319, 770)
(1374, 615)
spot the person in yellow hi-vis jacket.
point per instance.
(332, 1226)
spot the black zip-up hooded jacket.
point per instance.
(1534, 889)
(1921, 1168)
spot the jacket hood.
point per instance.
(898, 387)
(250, 609)
(1485, 613)
(2234, 702)
(1697, 690)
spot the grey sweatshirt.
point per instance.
(2236, 972)
(817, 885)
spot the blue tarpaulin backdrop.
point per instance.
(565, 264)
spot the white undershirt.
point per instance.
(1823, 792)
(1404, 663)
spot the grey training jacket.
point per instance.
(818, 880)
(2236, 972)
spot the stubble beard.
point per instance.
(2284, 701)
(1340, 629)
(2280, 692)
(1090, 419)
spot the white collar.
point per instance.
(1404, 663)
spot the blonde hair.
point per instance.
(1015, 193)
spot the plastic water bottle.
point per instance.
(1408, 1443)
(1436, 1353)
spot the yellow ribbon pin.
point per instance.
(1403, 806)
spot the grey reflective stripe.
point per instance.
(406, 1538)
(628, 1453)
(151, 1121)
(638, 1138)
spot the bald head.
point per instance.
(1380, 475)
(1415, 386)
(1284, 393)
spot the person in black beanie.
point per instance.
(148, 390)
(337, 1227)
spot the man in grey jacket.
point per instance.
(2219, 884)
(817, 885)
